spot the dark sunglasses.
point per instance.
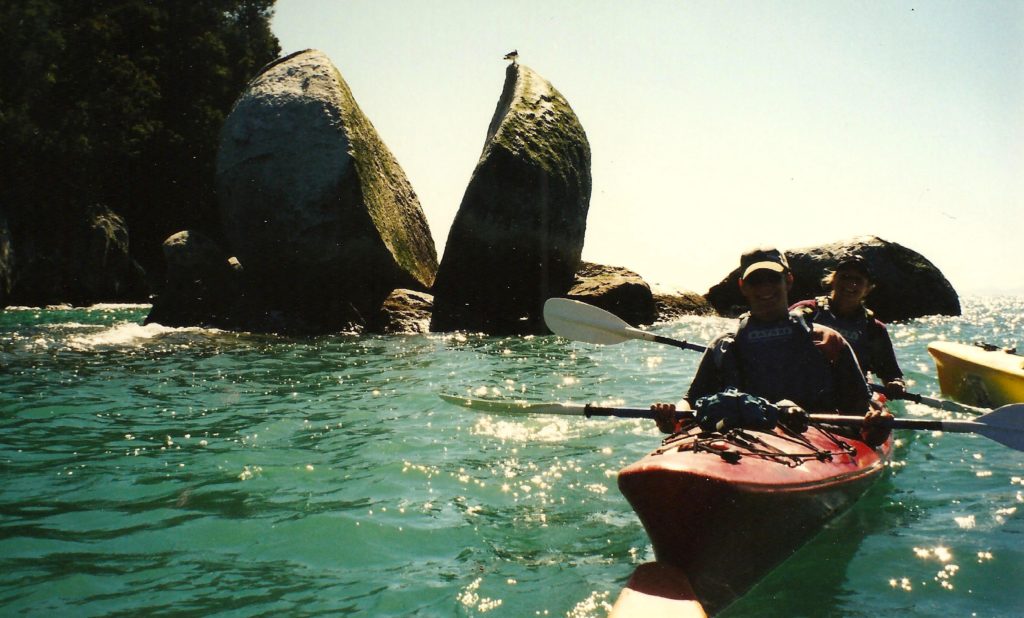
(761, 277)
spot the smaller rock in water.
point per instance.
(615, 289)
(907, 285)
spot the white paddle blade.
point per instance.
(582, 322)
(1005, 425)
(514, 408)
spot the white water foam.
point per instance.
(117, 306)
(96, 307)
(127, 334)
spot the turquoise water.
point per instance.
(156, 471)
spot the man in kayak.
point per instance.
(843, 309)
(777, 355)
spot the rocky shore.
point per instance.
(323, 232)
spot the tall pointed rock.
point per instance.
(313, 204)
(518, 235)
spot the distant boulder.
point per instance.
(106, 268)
(676, 305)
(518, 234)
(615, 289)
(907, 285)
(312, 202)
(625, 293)
(203, 287)
(403, 312)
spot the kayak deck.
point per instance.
(978, 376)
(727, 508)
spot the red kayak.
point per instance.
(725, 509)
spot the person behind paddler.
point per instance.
(843, 309)
(777, 355)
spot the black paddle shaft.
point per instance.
(686, 345)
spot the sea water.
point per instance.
(147, 470)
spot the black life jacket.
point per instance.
(857, 330)
(777, 360)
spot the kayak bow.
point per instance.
(977, 375)
(726, 509)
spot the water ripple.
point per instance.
(198, 472)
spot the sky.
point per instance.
(717, 126)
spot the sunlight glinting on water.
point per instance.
(327, 474)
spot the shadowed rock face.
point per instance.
(907, 285)
(6, 260)
(313, 203)
(90, 264)
(518, 235)
(675, 305)
(203, 287)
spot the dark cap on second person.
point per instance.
(853, 261)
(763, 258)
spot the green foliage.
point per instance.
(120, 102)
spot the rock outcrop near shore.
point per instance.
(672, 306)
(518, 234)
(204, 286)
(626, 294)
(404, 312)
(313, 204)
(615, 289)
(90, 263)
(6, 260)
(907, 285)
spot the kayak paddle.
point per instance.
(942, 404)
(1004, 425)
(582, 322)
(519, 408)
(579, 321)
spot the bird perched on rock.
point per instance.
(512, 55)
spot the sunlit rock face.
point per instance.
(615, 289)
(313, 203)
(518, 234)
(403, 312)
(907, 285)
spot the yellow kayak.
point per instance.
(976, 375)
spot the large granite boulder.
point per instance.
(84, 261)
(518, 234)
(907, 285)
(204, 286)
(615, 289)
(312, 202)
